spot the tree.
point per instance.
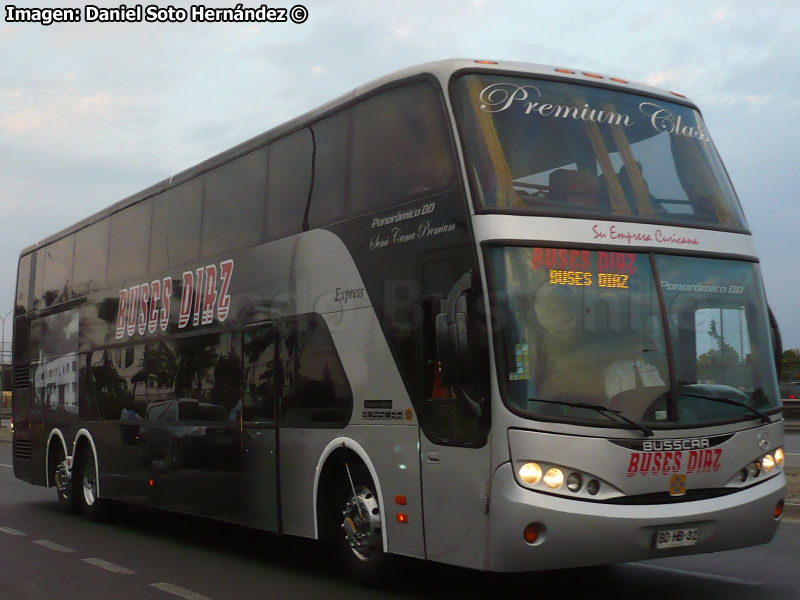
(790, 362)
(721, 364)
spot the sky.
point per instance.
(91, 113)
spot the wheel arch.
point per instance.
(359, 451)
(82, 439)
(54, 433)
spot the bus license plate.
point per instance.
(674, 538)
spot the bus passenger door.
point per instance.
(259, 429)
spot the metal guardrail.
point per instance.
(791, 409)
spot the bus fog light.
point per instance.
(779, 457)
(768, 462)
(554, 478)
(743, 475)
(574, 482)
(533, 532)
(593, 487)
(530, 473)
(753, 469)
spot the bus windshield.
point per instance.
(548, 147)
(580, 326)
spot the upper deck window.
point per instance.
(547, 147)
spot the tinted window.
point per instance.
(91, 256)
(553, 147)
(314, 387)
(258, 350)
(289, 181)
(234, 204)
(23, 285)
(58, 271)
(130, 237)
(37, 277)
(118, 389)
(176, 226)
(331, 140)
(208, 371)
(401, 148)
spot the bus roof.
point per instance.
(441, 69)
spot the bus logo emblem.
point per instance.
(677, 485)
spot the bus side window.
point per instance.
(23, 300)
(91, 256)
(233, 207)
(58, 271)
(130, 238)
(401, 148)
(314, 388)
(175, 237)
(331, 143)
(288, 184)
(445, 418)
(258, 356)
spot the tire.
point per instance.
(67, 498)
(85, 488)
(355, 529)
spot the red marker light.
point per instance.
(677, 94)
(618, 80)
(486, 62)
(400, 500)
(402, 518)
(595, 75)
(152, 483)
(565, 71)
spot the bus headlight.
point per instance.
(753, 469)
(768, 463)
(554, 478)
(779, 457)
(530, 473)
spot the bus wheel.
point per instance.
(65, 487)
(86, 487)
(359, 536)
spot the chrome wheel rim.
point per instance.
(89, 490)
(361, 523)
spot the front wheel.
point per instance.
(357, 529)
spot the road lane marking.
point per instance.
(104, 564)
(54, 546)
(7, 466)
(12, 531)
(179, 591)
(712, 577)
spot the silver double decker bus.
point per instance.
(498, 315)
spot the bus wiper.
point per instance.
(763, 416)
(609, 412)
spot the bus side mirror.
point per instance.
(777, 344)
(452, 335)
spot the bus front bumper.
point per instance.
(578, 533)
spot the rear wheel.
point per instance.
(65, 487)
(85, 487)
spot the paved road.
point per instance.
(144, 555)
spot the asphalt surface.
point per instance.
(143, 555)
